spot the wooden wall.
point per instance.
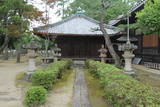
(80, 46)
(150, 40)
(148, 48)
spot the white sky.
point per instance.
(41, 6)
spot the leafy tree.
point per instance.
(92, 8)
(148, 19)
(15, 17)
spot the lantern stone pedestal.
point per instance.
(31, 65)
(31, 62)
(128, 62)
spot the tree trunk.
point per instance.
(110, 46)
(6, 41)
(18, 56)
(107, 36)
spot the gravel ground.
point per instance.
(10, 95)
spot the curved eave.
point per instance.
(61, 34)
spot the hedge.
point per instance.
(121, 90)
(35, 95)
(46, 77)
(43, 79)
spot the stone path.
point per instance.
(80, 92)
(10, 95)
(143, 68)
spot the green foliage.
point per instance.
(148, 19)
(15, 17)
(19, 41)
(93, 8)
(42, 42)
(35, 95)
(121, 90)
(46, 77)
(43, 78)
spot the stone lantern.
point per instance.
(128, 49)
(56, 53)
(31, 53)
(103, 53)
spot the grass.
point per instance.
(66, 76)
(95, 91)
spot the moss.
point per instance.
(62, 83)
(68, 74)
(20, 76)
(69, 104)
(95, 91)
(20, 82)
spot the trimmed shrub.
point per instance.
(43, 78)
(46, 77)
(35, 95)
(122, 90)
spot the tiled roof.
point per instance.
(76, 25)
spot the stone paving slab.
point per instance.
(80, 93)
